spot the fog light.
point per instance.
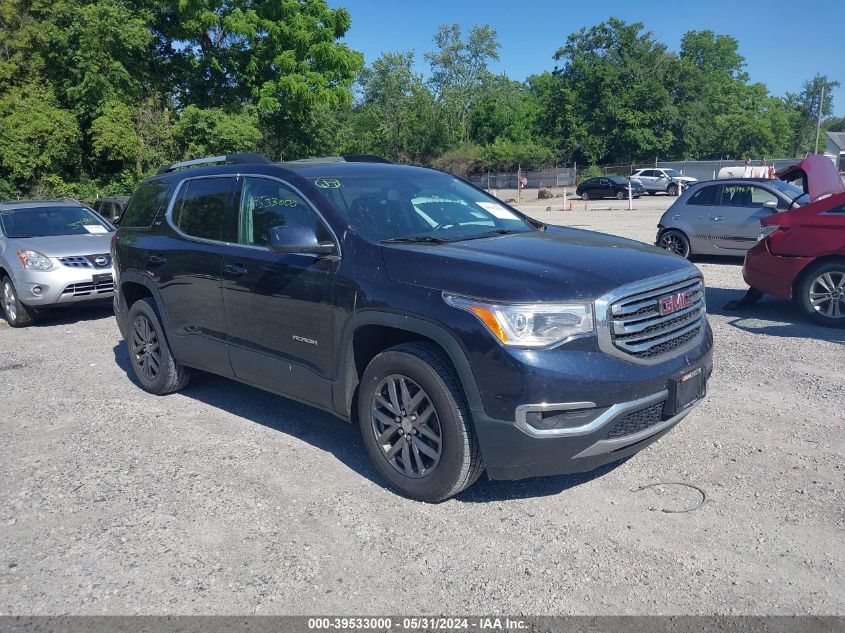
(548, 420)
(37, 290)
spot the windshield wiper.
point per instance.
(418, 239)
(493, 233)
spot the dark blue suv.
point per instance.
(460, 334)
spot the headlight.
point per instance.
(529, 324)
(34, 260)
(766, 231)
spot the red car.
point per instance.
(801, 253)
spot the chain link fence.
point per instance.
(555, 177)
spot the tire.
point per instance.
(821, 293)
(17, 313)
(620, 195)
(649, 192)
(585, 196)
(149, 352)
(676, 242)
(451, 460)
(672, 189)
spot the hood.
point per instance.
(559, 264)
(685, 178)
(818, 175)
(66, 245)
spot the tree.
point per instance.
(805, 108)
(459, 68)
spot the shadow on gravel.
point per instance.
(757, 318)
(51, 317)
(308, 424)
(341, 439)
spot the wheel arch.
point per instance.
(135, 286)
(371, 332)
(810, 267)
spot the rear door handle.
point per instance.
(234, 269)
(156, 260)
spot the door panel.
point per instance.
(736, 220)
(279, 309)
(189, 267)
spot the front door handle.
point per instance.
(718, 218)
(156, 260)
(234, 269)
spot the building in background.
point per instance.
(835, 148)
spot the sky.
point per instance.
(784, 43)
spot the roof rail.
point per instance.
(241, 158)
(346, 158)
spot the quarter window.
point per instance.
(266, 204)
(200, 210)
(145, 204)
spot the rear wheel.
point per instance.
(415, 423)
(821, 293)
(675, 242)
(149, 353)
(17, 313)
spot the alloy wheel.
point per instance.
(673, 244)
(146, 348)
(406, 426)
(827, 294)
(10, 302)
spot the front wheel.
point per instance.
(821, 294)
(675, 242)
(415, 423)
(672, 190)
(17, 313)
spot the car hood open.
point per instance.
(559, 264)
(817, 174)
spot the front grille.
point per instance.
(637, 421)
(88, 288)
(639, 330)
(86, 261)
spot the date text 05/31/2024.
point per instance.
(418, 623)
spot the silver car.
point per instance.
(51, 253)
(722, 217)
(658, 180)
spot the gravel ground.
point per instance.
(224, 499)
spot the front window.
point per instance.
(672, 173)
(793, 192)
(49, 221)
(418, 205)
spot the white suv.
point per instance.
(663, 180)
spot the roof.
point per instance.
(838, 139)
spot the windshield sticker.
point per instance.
(327, 183)
(497, 210)
(95, 228)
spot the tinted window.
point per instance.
(840, 210)
(648, 173)
(201, 208)
(145, 204)
(736, 196)
(266, 204)
(704, 196)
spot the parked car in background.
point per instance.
(52, 253)
(608, 187)
(460, 334)
(656, 180)
(110, 207)
(722, 217)
(801, 252)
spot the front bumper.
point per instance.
(629, 399)
(62, 284)
(770, 273)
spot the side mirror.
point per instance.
(771, 205)
(298, 239)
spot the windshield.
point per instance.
(51, 221)
(673, 173)
(793, 192)
(418, 205)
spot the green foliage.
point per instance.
(96, 94)
(590, 172)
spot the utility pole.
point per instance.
(819, 120)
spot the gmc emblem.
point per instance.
(673, 303)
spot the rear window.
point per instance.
(145, 204)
